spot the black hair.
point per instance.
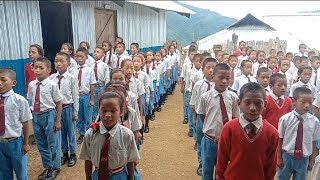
(204, 55)
(225, 54)
(67, 56)
(192, 49)
(135, 45)
(262, 70)
(39, 48)
(275, 77)
(86, 43)
(108, 95)
(289, 54)
(296, 59)
(252, 87)
(232, 56)
(272, 57)
(244, 62)
(122, 44)
(302, 68)
(218, 51)
(70, 47)
(221, 66)
(280, 52)
(311, 52)
(9, 72)
(124, 62)
(45, 60)
(300, 91)
(314, 58)
(82, 50)
(303, 58)
(208, 60)
(197, 56)
(300, 45)
(121, 39)
(116, 70)
(100, 47)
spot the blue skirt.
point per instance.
(162, 89)
(174, 76)
(168, 83)
(144, 106)
(156, 93)
(151, 100)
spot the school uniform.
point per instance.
(151, 72)
(301, 84)
(162, 73)
(186, 66)
(243, 155)
(119, 59)
(289, 80)
(168, 67)
(315, 173)
(29, 74)
(86, 78)
(300, 54)
(196, 77)
(242, 80)
(158, 84)
(240, 59)
(145, 84)
(90, 60)
(294, 73)
(135, 86)
(315, 76)
(316, 103)
(132, 100)
(210, 106)
(110, 59)
(199, 88)
(295, 163)
(174, 59)
(15, 112)
(234, 74)
(256, 66)
(122, 150)
(69, 89)
(267, 90)
(44, 117)
(102, 76)
(73, 63)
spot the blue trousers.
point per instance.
(185, 105)
(12, 159)
(209, 157)
(199, 136)
(118, 176)
(190, 113)
(97, 91)
(48, 141)
(84, 114)
(297, 168)
(68, 131)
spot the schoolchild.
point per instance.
(120, 49)
(261, 58)
(235, 72)
(109, 57)
(315, 64)
(35, 51)
(68, 48)
(151, 69)
(284, 68)
(85, 45)
(174, 59)
(161, 69)
(246, 69)
(304, 73)
(134, 48)
(273, 64)
(263, 77)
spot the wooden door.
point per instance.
(105, 25)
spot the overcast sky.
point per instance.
(238, 9)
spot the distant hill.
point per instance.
(203, 24)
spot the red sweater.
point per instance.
(29, 75)
(273, 112)
(242, 158)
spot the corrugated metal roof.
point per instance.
(250, 20)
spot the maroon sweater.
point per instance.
(242, 158)
(273, 112)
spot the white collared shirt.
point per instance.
(275, 97)
(122, 148)
(87, 78)
(240, 81)
(120, 58)
(288, 126)
(194, 78)
(152, 72)
(90, 60)
(209, 106)
(145, 80)
(244, 123)
(134, 120)
(174, 58)
(17, 111)
(198, 89)
(168, 63)
(133, 102)
(236, 71)
(73, 63)
(162, 67)
(49, 94)
(256, 66)
(240, 59)
(69, 89)
(301, 84)
(189, 83)
(268, 90)
(113, 59)
(294, 72)
(102, 71)
(313, 77)
(135, 86)
(185, 67)
(289, 79)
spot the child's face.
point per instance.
(253, 56)
(150, 57)
(133, 49)
(219, 56)
(119, 49)
(171, 49)
(6, 83)
(261, 58)
(65, 49)
(225, 59)
(303, 49)
(81, 57)
(311, 55)
(304, 62)
(252, 104)
(273, 52)
(106, 47)
(280, 86)
(118, 76)
(243, 52)
(284, 65)
(272, 63)
(242, 45)
(315, 64)
(197, 63)
(263, 79)
(61, 64)
(221, 80)
(208, 70)
(163, 52)
(248, 51)
(191, 54)
(157, 57)
(137, 63)
(247, 68)
(83, 45)
(41, 70)
(280, 56)
(290, 57)
(303, 103)
(98, 54)
(128, 69)
(233, 61)
(305, 75)
(109, 112)
(33, 53)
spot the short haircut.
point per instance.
(135, 45)
(232, 56)
(311, 53)
(242, 42)
(252, 87)
(218, 51)
(44, 60)
(208, 60)
(204, 55)
(280, 52)
(300, 91)
(244, 62)
(120, 38)
(296, 59)
(302, 68)
(197, 56)
(314, 58)
(82, 50)
(284, 59)
(289, 54)
(275, 77)
(301, 45)
(124, 62)
(69, 46)
(8, 72)
(86, 43)
(39, 48)
(249, 47)
(303, 58)
(221, 66)
(271, 57)
(117, 70)
(225, 54)
(262, 70)
(67, 56)
(252, 52)
(99, 47)
(122, 44)
(192, 49)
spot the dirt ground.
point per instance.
(167, 152)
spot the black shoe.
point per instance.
(158, 109)
(190, 133)
(64, 159)
(195, 146)
(43, 175)
(185, 121)
(80, 139)
(153, 117)
(199, 170)
(72, 161)
(146, 129)
(52, 174)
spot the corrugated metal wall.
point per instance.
(20, 26)
(136, 23)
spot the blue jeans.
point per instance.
(84, 114)
(185, 105)
(12, 159)
(297, 168)
(190, 113)
(97, 91)
(48, 140)
(118, 176)
(68, 131)
(199, 136)
(209, 157)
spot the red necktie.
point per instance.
(136, 75)
(36, 106)
(95, 69)
(59, 80)
(223, 108)
(103, 171)
(252, 130)
(231, 77)
(118, 62)
(249, 81)
(2, 116)
(208, 83)
(298, 147)
(280, 101)
(80, 76)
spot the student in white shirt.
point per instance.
(199, 75)
(85, 45)
(252, 57)
(164, 53)
(302, 51)
(263, 77)
(246, 69)
(175, 59)
(261, 58)
(305, 75)
(162, 76)
(86, 81)
(109, 57)
(117, 41)
(68, 48)
(151, 70)
(14, 133)
(235, 72)
(134, 48)
(120, 48)
(243, 56)
(298, 147)
(284, 68)
(315, 64)
(68, 86)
